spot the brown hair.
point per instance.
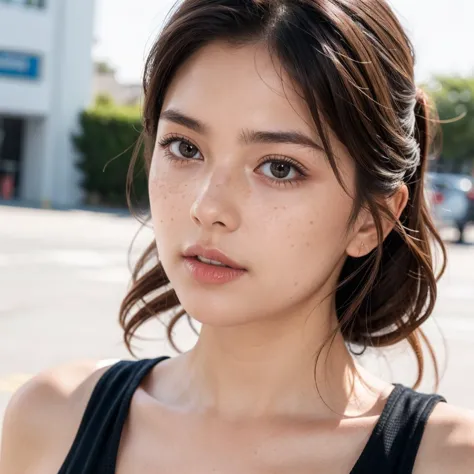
(355, 67)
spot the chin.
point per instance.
(213, 313)
(215, 308)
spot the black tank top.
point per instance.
(391, 449)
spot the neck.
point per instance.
(270, 368)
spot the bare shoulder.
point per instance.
(448, 442)
(43, 416)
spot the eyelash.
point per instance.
(165, 143)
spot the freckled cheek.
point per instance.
(295, 240)
(291, 254)
(170, 204)
(287, 235)
(302, 237)
(292, 227)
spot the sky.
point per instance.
(441, 30)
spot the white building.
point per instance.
(45, 81)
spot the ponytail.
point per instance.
(423, 128)
(400, 285)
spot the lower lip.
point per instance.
(205, 273)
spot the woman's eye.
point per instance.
(184, 149)
(280, 170)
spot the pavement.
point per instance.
(63, 275)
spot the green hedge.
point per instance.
(105, 143)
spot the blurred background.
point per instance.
(70, 95)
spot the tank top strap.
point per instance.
(97, 441)
(395, 440)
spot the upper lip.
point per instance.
(211, 254)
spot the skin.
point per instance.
(244, 399)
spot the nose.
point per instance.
(216, 206)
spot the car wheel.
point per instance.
(461, 226)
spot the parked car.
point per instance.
(451, 198)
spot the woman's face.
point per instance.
(234, 170)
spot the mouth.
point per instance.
(211, 262)
(212, 257)
(211, 266)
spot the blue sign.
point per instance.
(19, 65)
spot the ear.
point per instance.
(364, 238)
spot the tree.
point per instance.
(103, 101)
(454, 99)
(105, 144)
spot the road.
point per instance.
(63, 274)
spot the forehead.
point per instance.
(227, 84)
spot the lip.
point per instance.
(211, 254)
(209, 274)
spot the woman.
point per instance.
(286, 150)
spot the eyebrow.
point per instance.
(247, 136)
(179, 118)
